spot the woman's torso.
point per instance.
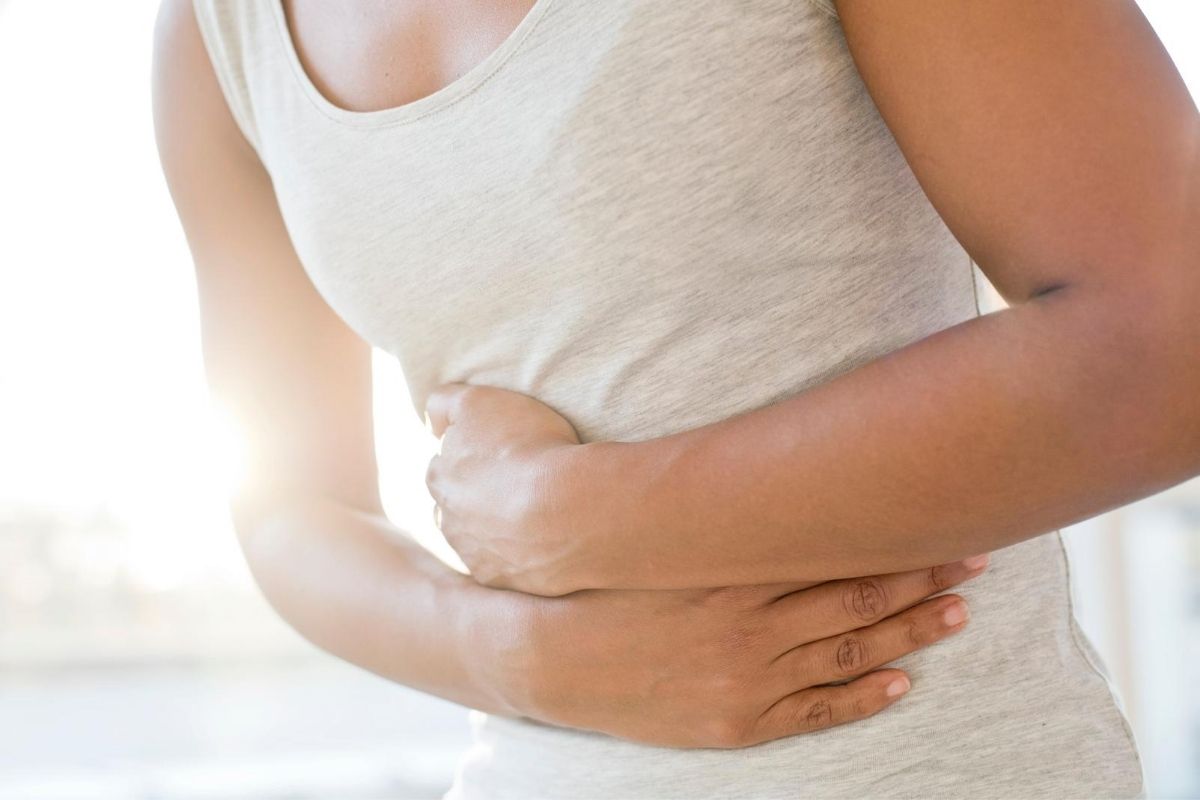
(653, 216)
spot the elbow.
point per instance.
(1146, 348)
(261, 521)
(1129, 340)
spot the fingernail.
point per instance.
(955, 614)
(897, 687)
(976, 562)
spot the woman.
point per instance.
(661, 220)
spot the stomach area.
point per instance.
(1012, 706)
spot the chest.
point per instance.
(646, 215)
(364, 55)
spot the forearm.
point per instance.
(358, 587)
(976, 438)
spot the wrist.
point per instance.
(584, 505)
(599, 504)
(493, 633)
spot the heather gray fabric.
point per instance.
(652, 216)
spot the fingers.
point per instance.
(849, 655)
(820, 707)
(838, 606)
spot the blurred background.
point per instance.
(137, 658)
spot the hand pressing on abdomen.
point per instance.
(720, 668)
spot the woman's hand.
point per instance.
(726, 667)
(719, 668)
(497, 447)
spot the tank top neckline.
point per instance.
(417, 109)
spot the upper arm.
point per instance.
(1056, 139)
(295, 378)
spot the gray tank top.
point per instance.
(653, 216)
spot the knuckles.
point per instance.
(914, 634)
(817, 714)
(432, 471)
(732, 731)
(865, 599)
(851, 655)
(807, 716)
(940, 578)
(727, 732)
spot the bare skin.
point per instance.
(368, 56)
(309, 517)
(1062, 148)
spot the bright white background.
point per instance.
(136, 657)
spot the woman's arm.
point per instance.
(297, 382)
(1061, 147)
(310, 523)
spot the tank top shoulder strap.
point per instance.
(240, 40)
